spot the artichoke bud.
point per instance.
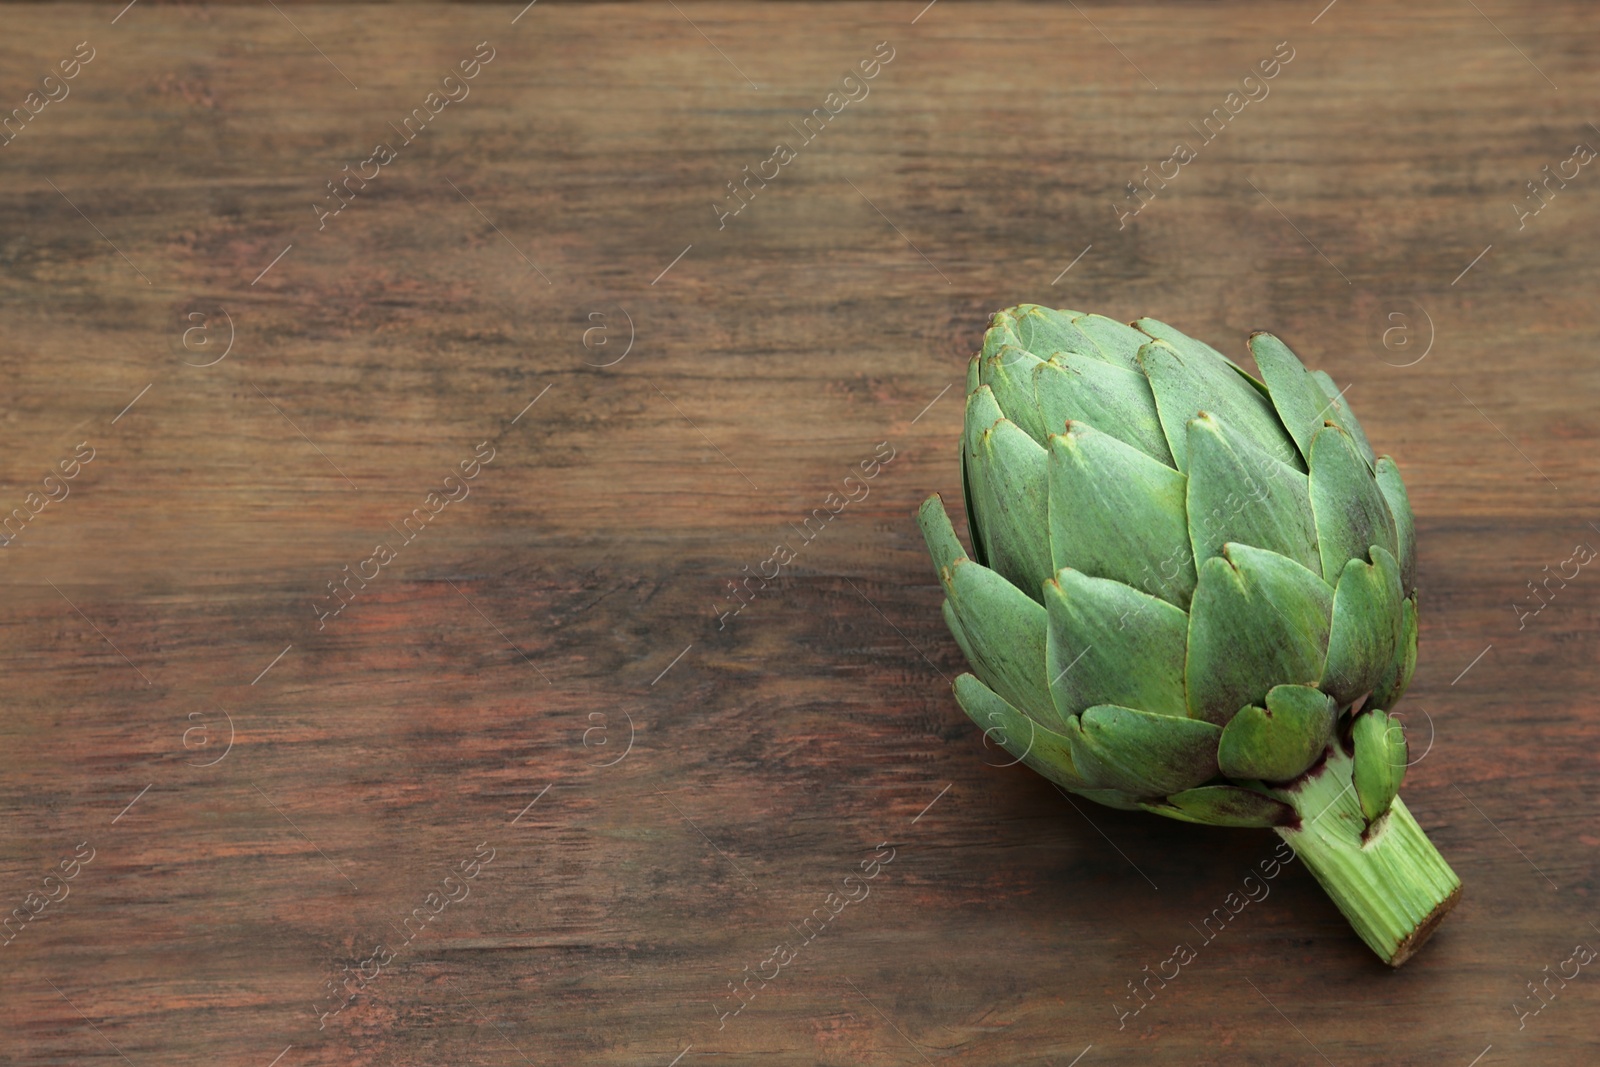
(1183, 578)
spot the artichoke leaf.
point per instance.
(1380, 760)
(1117, 343)
(1145, 754)
(1012, 494)
(1398, 676)
(973, 654)
(1111, 644)
(1009, 375)
(939, 533)
(982, 412)
(1257, 620)
(1000, 629)
(1278, 742)
(1002, 331)
(1006, 634)
(1225, 805)
(1349, 507)
(1080, 388)
(1185, 385)
(1339, 414)
(1046, 331)
(946, 550)
(1116, 513)
(1185, 344)
(1366, 630)
(1298, 398)
(1393, 488)
(1239, 493)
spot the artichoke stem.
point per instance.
(1386, 877)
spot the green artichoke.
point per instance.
(1191, 592)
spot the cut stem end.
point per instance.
(1385, 876)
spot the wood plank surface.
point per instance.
(535, 717)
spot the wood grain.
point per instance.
(499, 658)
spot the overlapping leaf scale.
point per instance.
(1296, 395)
(1001, 630)
(1257, 620)
(1224, 805)
(1001, 332)
(1239, 493)
(1393, 488)
(1117, 342)
(1145, 754)
(1181, 341)
(1111, 644)
(1185, 384)
(1116, 513)
(1279, 741)
(1395, 680)
(1380, 760)
(1349, 507)
(1046, 331)
(1006, 473)
(1116, 401)
(1009, 375)
(1339, 414)
(1366, 631)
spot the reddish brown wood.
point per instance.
(577, 588)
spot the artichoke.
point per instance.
(1190, 592)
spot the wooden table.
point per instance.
(531, 795)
